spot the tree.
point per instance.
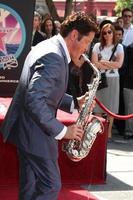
(120, 5)
(53, 11)
(68, 8)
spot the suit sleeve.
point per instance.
(44, 94)
(66, 103)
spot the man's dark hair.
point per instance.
(118, 18)
(80, 22)
(126, 10)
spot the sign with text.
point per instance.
(16, 19)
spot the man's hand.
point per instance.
(74, 132)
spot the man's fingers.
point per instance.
(74, 132)
(78, 138)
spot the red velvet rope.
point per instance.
(120, 117)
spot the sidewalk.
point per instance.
(119, 181)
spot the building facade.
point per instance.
(97, 7)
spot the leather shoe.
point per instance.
(128, 137)
(110, 140)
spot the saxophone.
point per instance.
(77, 150)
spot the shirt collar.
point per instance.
(130, 27)
(62, 41)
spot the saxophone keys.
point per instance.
(82, 153)
(85, 144)
(75, 152)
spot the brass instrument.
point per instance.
(77, 150)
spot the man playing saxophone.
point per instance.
(31, 122)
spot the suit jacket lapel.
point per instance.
(66, 64)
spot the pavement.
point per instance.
(119, 180)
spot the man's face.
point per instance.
(127, 17)
(36, 23)
(79, 47)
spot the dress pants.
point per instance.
(39, 178)
(128, 98)
(120, 124)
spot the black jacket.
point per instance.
(128, 83)
(38, 37)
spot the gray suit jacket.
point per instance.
(31, 121)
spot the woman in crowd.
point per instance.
(101, 54)
(48, 27)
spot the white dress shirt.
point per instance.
(128, 36)
(63, 132)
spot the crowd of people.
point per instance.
(55, 76)
(44, 27)
(120, 97)
(112, 36)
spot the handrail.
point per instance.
(120, 117)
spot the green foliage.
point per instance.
(120, 5)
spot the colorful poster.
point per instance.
(15, 41)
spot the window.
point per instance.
(104, 12)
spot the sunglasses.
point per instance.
(127, 16)
(108, 32)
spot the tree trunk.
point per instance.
(52, 9)
(68, 8)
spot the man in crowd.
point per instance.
(128, 92)
(127, 16)
(37, 35)
(120, 124)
